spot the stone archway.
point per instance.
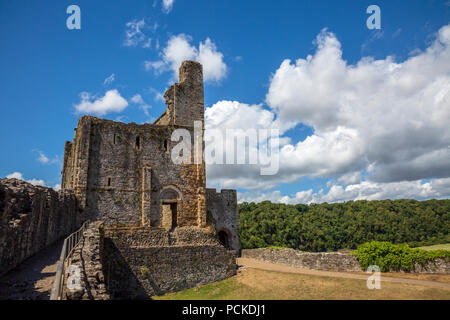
(170, 198)
(224, 238)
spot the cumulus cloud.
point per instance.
(112, 101)
(36, 182)
(179, 48)
(222, 118)
(167, 5)
(18, 175)
(393, 115)
(377, 124)
(366, 190)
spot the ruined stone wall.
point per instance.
(185, 99)
(119, 171)
(129, 167)
(32, 218)
(141, 263)
(222, 213)
(331, 261)
(88, 257)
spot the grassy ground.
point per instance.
(437, 247)
(267, 285)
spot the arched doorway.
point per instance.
(170, 207)
(224, 239)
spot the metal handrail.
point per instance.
(68, 246)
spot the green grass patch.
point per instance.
(445, 246)
(212, 291)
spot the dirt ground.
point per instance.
(433, 280)
(33, 279)
(257, 280)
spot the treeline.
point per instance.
(331, 227)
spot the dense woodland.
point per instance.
(331, 227)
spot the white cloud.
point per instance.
(393, 116)
(109, 79)
(226, 115)
(43, 158)
(18, 175)
(167, 5)
(135, 35)
(366, 190)
(389, 120)
(158, 96)
(179, 49)
(137, 99)
(214, 68)
(112, 101)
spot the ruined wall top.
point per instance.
(185, 100)
(191, 71)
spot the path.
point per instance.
(263, 265)
(33, 278)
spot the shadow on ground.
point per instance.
(32, 279)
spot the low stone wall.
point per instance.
(32, 218)
(165, 263)
(87, 256)
(150, 237)
(330, 261)
(438, 266)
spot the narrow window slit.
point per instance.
(138, 142)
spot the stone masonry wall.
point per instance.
(88, 257)
(222, 214)
(330, 261)
(32, 218)
(142, 263)
(119, 171)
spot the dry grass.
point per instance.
(252, 284)
(445, 246)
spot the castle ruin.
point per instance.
(122, 173)
(154, 226)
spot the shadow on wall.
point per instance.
(121, 282)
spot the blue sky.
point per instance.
(48, 70)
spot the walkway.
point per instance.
(33, 278)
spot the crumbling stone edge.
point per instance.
(87, 256)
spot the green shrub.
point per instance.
(394, 257)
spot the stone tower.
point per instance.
(123, 174)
